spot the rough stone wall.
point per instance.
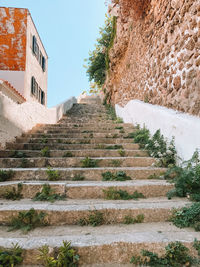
(13, 24)
(156, 54)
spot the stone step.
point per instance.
(83, 134)
(32, 146)
(100, 125)
(104, 246)
(91, 174)
(76, 162)
(97, 140)
(74, 153)
(91, 190)
(70, 212)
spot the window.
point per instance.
(38, 54)
(42, 97)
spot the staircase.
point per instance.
(86, 131)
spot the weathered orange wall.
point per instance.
(13, 25)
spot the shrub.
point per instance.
(18, 154)
(114, 147)
(176, 254)
(6, 175)
(68, 155)
(186, 178)
(11, 257)
(122, 152)
(78, 177)
(187, 216)
(64, 256)
(27, 220)
(47, 194)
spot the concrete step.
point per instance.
(32, 146)
(76, 162)
(70, 212)
(97, 140)
(74, 153)
(98, 125)
(104, 246)
(91, 190)
(91, 174)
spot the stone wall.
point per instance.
(156, 54)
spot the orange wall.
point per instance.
(13, 25)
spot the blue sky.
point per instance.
(68, 29)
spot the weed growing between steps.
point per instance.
(196, 245)
(187, 216)
(47, 194)
(116, 163)
(53, 175)
(14, 194)
(156, 146)
(122, 152)
(63, 256)
(186, 178)
(94, 219)
(45, 152)
(119, 128)
(11, 257)
(68, 155)
(6, 175)
(27, 221)
(114, 147)
(118, 176)
(130, 220)
(113, 194)
(17, 154)
(89, 163)
(176, 254)
(78, 177)
(24, 163)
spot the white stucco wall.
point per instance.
(33, 68)
(15, 78)
(185, 128)
(22, 118)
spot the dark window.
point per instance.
(32, 85)
(43, 63)
(42, 97)
(34, 44)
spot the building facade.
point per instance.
(23, 58)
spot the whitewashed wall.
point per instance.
(185, 128)
(16, 119)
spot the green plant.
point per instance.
(44, 140)
(114, 147)
(47, 194)
(14, 194)
(100, 146)
(196, 245)
(187, 216)
(53, 175)
(155, 177)
(64, 256)
(94, 219)
(176, 254)
(45, 152)
(17, 154)
(78, 177)
(98, 61)
(115, 136)
(122, 152)
(11, 257)
(118, 176)
(186, 178)
(59, 141)
(119, 120)
(111, 112)
(68, 154)
(89, 163)
(6, 175)
(119, 128)
(116, 163)
(24, 163)
(85, 142)
(130, 135)
(27, 220)
(114, 194)
(130, 220)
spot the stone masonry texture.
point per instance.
(156, 54)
